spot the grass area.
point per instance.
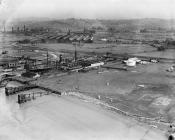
(147, 90)
(101, 48)
(170, 53)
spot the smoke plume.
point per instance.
(7, 10)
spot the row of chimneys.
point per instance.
(24, 29)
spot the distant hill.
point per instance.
(62, 24)
(79, 24)
(137, 24)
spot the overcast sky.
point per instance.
(101, 9)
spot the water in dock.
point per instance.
(4, 106)
(9, 110)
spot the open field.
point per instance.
(100, 48)
(147, 90)
(65, 118)
(170, 53)
(149, 36)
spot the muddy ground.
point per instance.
(66, 117)
(146, 90)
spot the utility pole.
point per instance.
(77, 81)
(47, 58)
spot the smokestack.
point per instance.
(4, 28)
(47, 58)
(75, 55)
(18, 29)
(68, 32)
(24, 28)
(12, 29)
(60, 58)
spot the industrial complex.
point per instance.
(132, 77)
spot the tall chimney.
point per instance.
(60, 60)
(75, 55)
(4, 28)
(12, 29)
(24, 28)
(18, 29)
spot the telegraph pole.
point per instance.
(47, 58)
(77, 81)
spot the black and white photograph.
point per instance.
(87, 69)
